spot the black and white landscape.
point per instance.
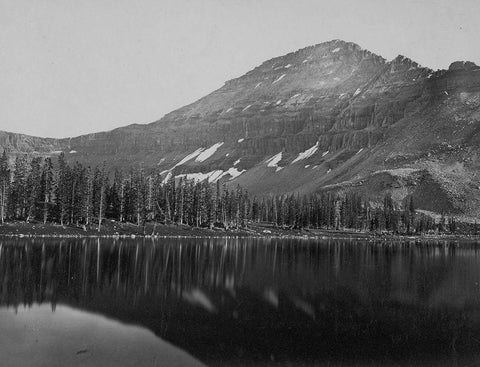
(322, 209)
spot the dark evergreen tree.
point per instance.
(4, 186)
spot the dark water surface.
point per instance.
(180, 302)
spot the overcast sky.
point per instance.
(70, 67)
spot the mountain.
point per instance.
(327, 117)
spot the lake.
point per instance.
(234, 302)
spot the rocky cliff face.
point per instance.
(327, 117)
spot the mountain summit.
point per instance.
(327, 117)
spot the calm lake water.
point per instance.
(188, 302)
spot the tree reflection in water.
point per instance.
(241, 300)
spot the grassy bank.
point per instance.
(112, 229)
(119, 229)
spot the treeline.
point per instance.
(48, 191)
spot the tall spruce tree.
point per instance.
(4, 186)
(47, 189)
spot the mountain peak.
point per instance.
(463, 65)
(404, 60)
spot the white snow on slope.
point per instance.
(273, 162)
(229, 110)
(257, 85)
(240, 140)
(357, 92)
(236, 162)
(246, 108)
(359, 151)
(288, 66)
(325, 153)
(167, 177)
(207, 153)
(336, 50)
(212, 176)
(72, 152)
(56, 152)
(278, 102)
(234, 172)
(308, 153)
(188, 157)
(280, 78)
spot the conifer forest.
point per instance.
(53, 191)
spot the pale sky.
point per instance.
(70, 67)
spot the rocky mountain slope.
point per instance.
(327, 117)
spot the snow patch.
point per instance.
(72, 152)
(446, 93)
(288, 66)
(325, 153)
(167, 177)
(359, 151)
(226, 155)
(296, 95)
(234, 172)
(236, 162)
(212, 176)
(280, 78)
(307, 165)
(329, 170)
(208, 152)
(56, 152)
(273, 162)
(336, 50)
(278, 102)
(258, 84)
(227, 111)
(304, 61)
(240, 140)
(246, 108)
(357, 92)
(306, 154)
(188, 157)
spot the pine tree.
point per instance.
(100, 188)
(47, 189)
(4, 185)
(63, 189)
(33, 188)
(19, 188)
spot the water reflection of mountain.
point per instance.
(263, 300)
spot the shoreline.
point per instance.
(114, 230)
